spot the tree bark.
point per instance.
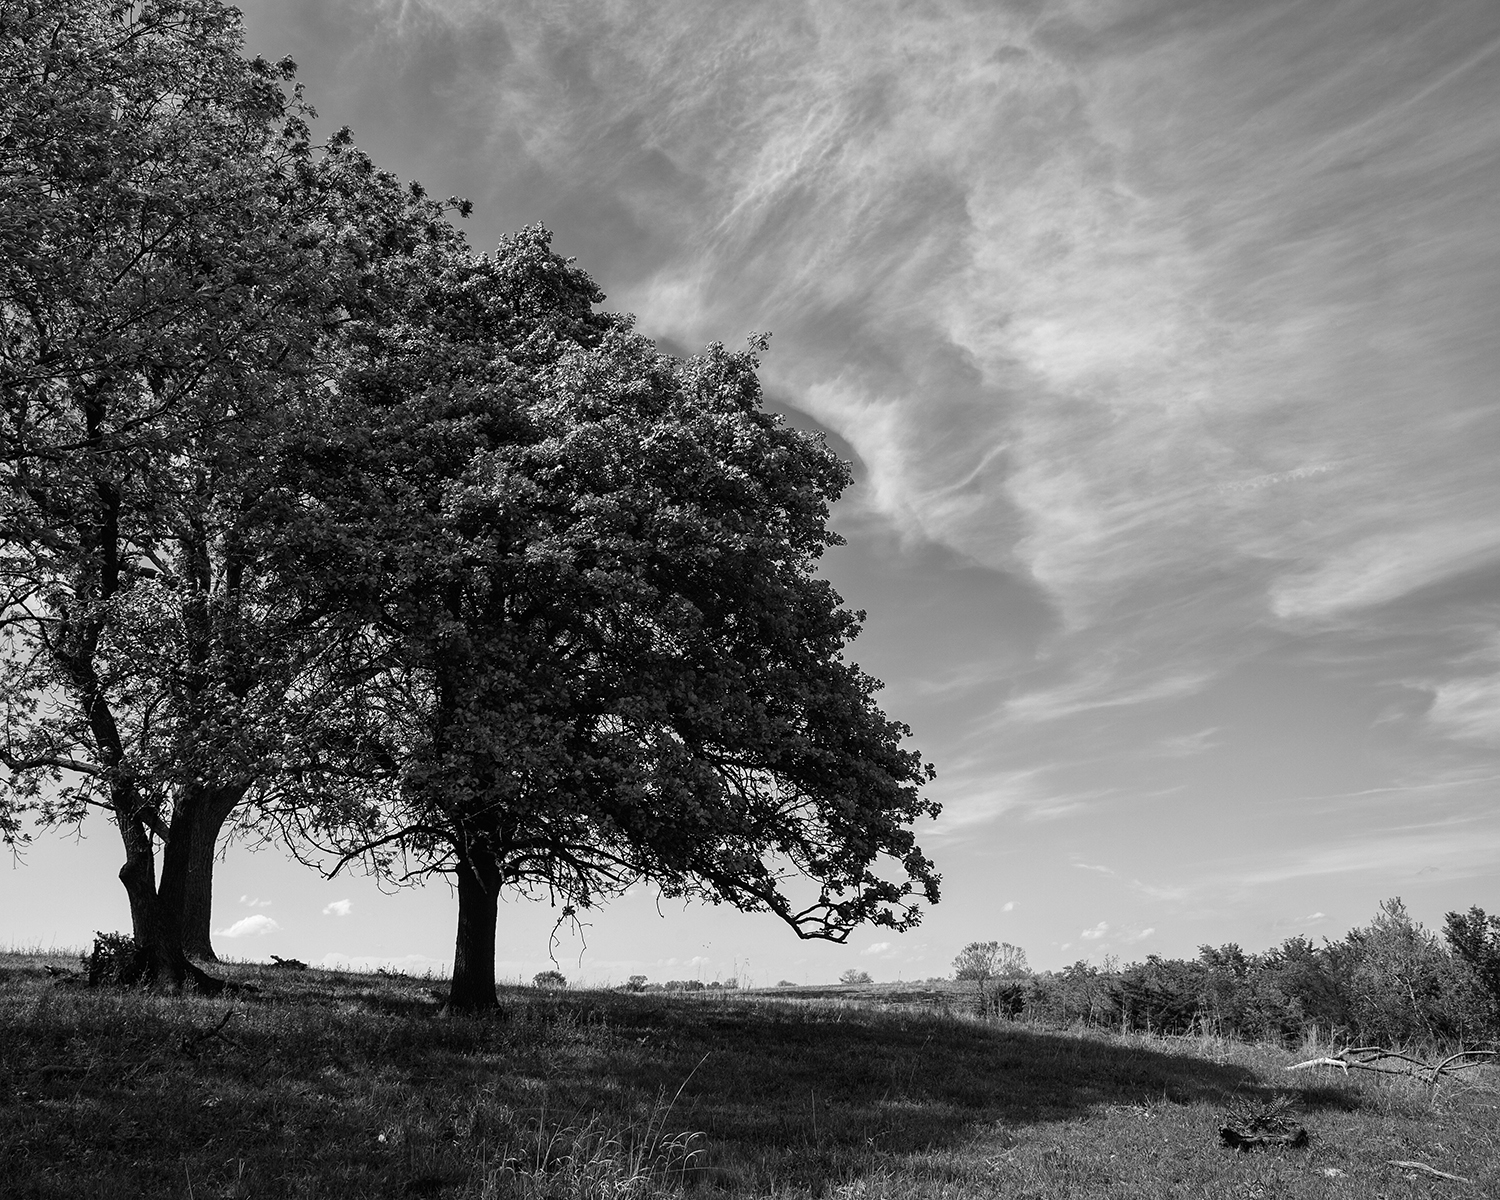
(473, 987)
(170, 968)
(138, 875)
(198, 894)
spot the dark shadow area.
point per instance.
(359, 1084)
(803, 1087)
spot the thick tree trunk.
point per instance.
(156, 908)
(138, 875)
(473, 988)
(198, 894)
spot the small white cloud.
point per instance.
(1098, 931)
(876, 948)
(1093, 867)
(254, 902)
(1301, 922)
(1142, 935)
(338, 908)
(1008, 906)
(256, 926)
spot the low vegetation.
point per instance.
(314, 1083)
(1389, 982)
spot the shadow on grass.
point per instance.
(354, 1086)
(801, 1089)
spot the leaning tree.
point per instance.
(588, 645)
(176, 260)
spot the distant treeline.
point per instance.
(1390, 982)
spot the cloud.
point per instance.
(876, 948)
(1385, 566)
(1187, 745)
(1467, 709)
(1311, 919)
(255, 902)
(1008, 906)
(338, 908)
(256, 926)
(1098, 931)
(1141, 935)
(1093, 867)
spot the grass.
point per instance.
(327, 1084)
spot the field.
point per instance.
(321, 1084)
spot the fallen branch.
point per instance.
(192, 1042)
(1424, 1169)
(1381, 1061)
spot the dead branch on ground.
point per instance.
(1424, 1169)
(1395, 1062)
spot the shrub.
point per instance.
(636, 983)
(550, 980)
(115, 961)
(853, 976)
(1475, 938)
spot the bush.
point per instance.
(1392, 982)
(636, 983)
(115, 961)
(853, 976)
(1475, 939)
(550, 980)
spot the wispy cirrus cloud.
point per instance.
(1171, 322)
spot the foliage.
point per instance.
(1475, 938)
(176, 260)
(1391, 982)
(594, 645)
(636, 983)
(114, 961)
(549, 980)
(854, 976)
(983, 961)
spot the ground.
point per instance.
(322, 1084)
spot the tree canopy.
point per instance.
(596, 649)
(174, 258)
(418, 553)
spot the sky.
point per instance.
(1161, 336)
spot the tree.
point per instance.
(854, 977)
(983, 961)
(1475, 938)
(599, 651)
(172, 261)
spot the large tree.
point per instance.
(175, 262)
(593, 645)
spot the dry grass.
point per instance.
(341, 1085)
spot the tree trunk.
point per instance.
(473, 988)
(198, 894)
(138, 875)
(170, 968)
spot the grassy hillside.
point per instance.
(322, 1084)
